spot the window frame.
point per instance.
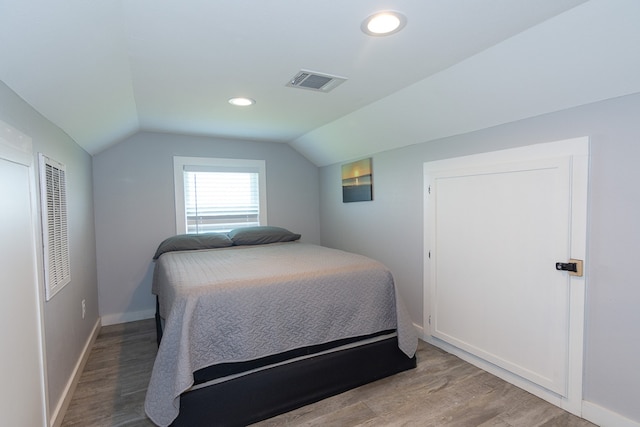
(216, 165)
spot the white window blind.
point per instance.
(221, 201)
(53, 193)
(217, 195)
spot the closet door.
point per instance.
(498, 227)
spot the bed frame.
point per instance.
(266, 393)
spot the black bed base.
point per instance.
(265, 394)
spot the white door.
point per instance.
(497, 224)
(22, 395)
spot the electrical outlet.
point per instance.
(84, 308)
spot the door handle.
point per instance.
(574, 267)
(568, 266)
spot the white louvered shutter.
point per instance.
(53, 191)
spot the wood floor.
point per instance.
(442, 391)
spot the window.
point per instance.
(217, 195)
(53, 195)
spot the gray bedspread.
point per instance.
(242, 303)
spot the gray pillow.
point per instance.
(188, 242)
(261, 235)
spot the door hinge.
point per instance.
(429, 319)
(429, 189)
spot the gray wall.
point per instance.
(134, 203)
(66, 333)
(391, 229)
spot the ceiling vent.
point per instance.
(315, 81)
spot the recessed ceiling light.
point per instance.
(384, 23)
(241, 102)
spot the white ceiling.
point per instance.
(103, 70)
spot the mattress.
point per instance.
(220, 373)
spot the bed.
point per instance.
(254, 323)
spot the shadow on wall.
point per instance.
(142, 297)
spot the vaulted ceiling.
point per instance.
(103, 70)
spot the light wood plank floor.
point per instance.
(442, 391)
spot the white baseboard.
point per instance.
(605, 417)
(61, 408)
(116, 318)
